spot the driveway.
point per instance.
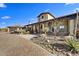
(14, 45)
(27, 36)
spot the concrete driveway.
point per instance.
(14, 45)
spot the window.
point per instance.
(61, 28)
(42, 17)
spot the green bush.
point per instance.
(28, 32)
(73, 44)
(24, 32)
(45, 30)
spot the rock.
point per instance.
(64, 52)
(46, 45)
(69, 37)
(47, 41)
(42, 35)
(68, 54)
(54, 47)
(57, 49)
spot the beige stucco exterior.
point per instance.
(62, 25)
(50, 17)
(45, 17)
(14, 28)
(40, 27)
(71, 27)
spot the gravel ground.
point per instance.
(14, 45)
(54, 45)
(27, 36)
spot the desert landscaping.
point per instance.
(37, 45)
(56, 45)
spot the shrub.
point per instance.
(28, 32)
(73, 44)
(24, 32)
(45, 30)
(3, 29)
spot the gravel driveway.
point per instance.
(14, 45)
(27, 36)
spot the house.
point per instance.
(14, 28)
(45, 16)
(63, 25)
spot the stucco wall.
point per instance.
(12, 29)
(61, 26)
(71, 27)
(45, 17)
(68, 26)
(50, 17)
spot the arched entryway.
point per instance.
(50, 27)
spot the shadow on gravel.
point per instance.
(62, 47)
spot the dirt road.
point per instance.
(14, 45)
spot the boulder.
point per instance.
(68, 54)
(47, 41)
(69, 37)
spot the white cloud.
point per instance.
(75, 10)
(5, 17)
(47, 10)
(69, 3)
(32, 20)
(2, 5)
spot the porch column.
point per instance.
(71, 27)
(33, 28)
(43, 27)
(8, 30)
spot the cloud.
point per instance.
(75, 10)
(47, 10)
(5, 17)
(69, 3)
(32, 20)
(2, 5)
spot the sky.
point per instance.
(26, 13)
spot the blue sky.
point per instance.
(25, 13)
